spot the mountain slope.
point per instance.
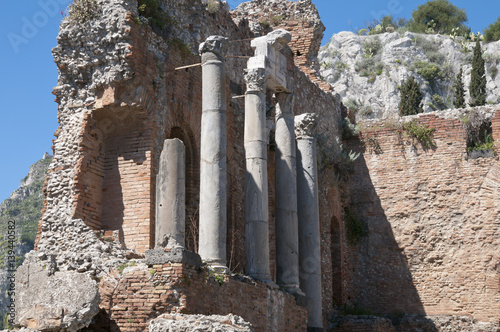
(22, 209)
(367, 71)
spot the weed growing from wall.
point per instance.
(422, 133)
(82, 11)
(157, 18)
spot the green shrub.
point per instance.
(371, 47)
(439, 102)
(493, 72)
(369, 66)
(430, 71)
(492, 32)
(386, 24)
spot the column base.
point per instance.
(177, 255)
(300, 296)
(217, 268)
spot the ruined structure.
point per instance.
(186, 183)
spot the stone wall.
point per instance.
(432, 216)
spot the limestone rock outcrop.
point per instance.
(54, 301)
(367, 71)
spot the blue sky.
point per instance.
(28, 30)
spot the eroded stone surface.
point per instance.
(48, 300)
(187, 323)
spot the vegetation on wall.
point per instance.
(423, 134)
(411, 98)
(157, 18)
(477, 86)
(478, 130)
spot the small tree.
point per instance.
(459, 101)
(439, 15)
(492, 32)
(477, 86)
(411, 98)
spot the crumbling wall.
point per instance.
(120, 96)
(432, 218)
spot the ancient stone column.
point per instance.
(308, 215)
(213, 177)
(287, 237)
(256, 196)
(170, 196)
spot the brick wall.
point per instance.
(137, 294)
(88, 182)
(432, 216)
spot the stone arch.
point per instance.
(192, 184)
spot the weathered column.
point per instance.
(213, 177)
(171, 195)
(287, 237)
(256, 196)
(308, 214)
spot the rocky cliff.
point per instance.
(23, 209)
(367, 71)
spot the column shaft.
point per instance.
(309, 228)
(256, 195)
(170, 196)
(213, 177)
(287, 237)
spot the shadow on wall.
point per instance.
(192, 185)
(382, 281)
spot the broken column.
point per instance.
(213, 177)
(308, 216)
(256, 197)
(170, 196)
(287, 237)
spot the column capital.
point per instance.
(215, 44)
(256, 79)
(305, 125)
